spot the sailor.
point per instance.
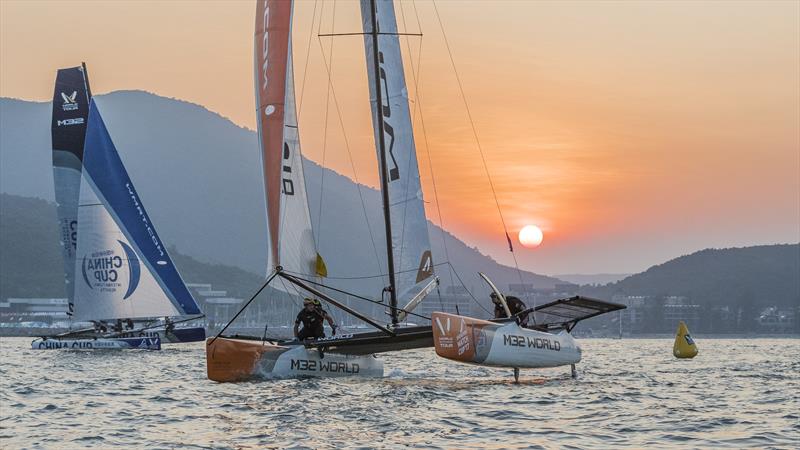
(168, 325)
(99, 326)
(515, 305)
(312, 316)
(128, 324)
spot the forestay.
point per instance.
(68, 131)
(410, 241)
(123, 266)
(289, 221)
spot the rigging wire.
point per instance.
(359, 297)
(418, 104)
(325, 131)
(308, 54)
(478, 142)
(415, 76)
(359, 185)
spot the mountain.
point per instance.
(199, 176)
(31, 264)
(765, 275)
(594, 278)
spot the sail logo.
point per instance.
(388, 130)
(150, 231)
(104, 270)
(70, 101)
(68, 122)
(264, 56)
(288, 184)
(425, 266)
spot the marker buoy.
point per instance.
(684, 344)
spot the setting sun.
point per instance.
(530, 236)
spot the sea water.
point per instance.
(629, 393)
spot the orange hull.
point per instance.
(230, 360)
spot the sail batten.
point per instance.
(394, 139)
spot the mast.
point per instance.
(384, 170)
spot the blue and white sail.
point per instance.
(411, 248)
(122, 267)
(68, 130)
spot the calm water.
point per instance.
(630, 393)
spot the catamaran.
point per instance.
(293, 256)
(116, 266)
(507, 343)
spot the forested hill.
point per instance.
(767, 274)
(31, 264)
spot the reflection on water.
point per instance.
(629, 393)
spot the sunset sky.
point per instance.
(630, 132)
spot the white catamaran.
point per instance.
(292, 255)
(116, 266)
(292, 251)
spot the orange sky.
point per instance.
(631, 132)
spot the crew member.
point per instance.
(312, 317)
(168, 325)
(515, 305)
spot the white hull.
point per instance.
(144, 343)
(476, 341)
(302, 362)
(239, 360)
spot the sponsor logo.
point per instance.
(150, 231)
(310, 365)
(148, 343)
(50, 344)
(338, 337)
(288, 184)
(425, 266)
(70, 101)
(388, 130)
(264, 56)
(68, 122)
(689, 339)
(104, 270)
(513, 340)
(69, 236)
(461, 341)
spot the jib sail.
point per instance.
(123, 268)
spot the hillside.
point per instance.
(31, 264)
(766, 274)
(198, 174)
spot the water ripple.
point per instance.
(629, 393)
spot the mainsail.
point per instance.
(124, 268)
(289, 221)
(68, 131)
(394, 139)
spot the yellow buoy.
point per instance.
(684, 344)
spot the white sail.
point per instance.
(291, 238)
(413, 263)
(122, 267)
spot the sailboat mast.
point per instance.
(384, 170)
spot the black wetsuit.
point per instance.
(312, 323)
(515, 305)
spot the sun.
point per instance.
(530, 236)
